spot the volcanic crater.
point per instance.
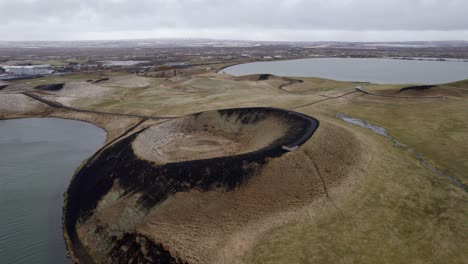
(119, 189)
(216, 134)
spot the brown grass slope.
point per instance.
(396, 212)
(382, 205)
(204, 227)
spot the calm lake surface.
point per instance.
(38, 157)
(389, 71)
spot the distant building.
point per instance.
(86, 66)
(177, 64)
(29, 69)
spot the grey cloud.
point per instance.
(57, 18)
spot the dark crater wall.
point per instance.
(156, 183)
(101, 80)
(50, 87)
(417, 88)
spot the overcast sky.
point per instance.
(309, 20)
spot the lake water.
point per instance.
(38, 157)
(389, 71)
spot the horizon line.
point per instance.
(240, 40)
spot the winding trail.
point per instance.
(126, 132)
(290, 81)
(326, 99)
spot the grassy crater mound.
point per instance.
(210, 151)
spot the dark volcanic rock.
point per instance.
(133, 248)
(101, 80)
(50, 87)
(417, 88)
